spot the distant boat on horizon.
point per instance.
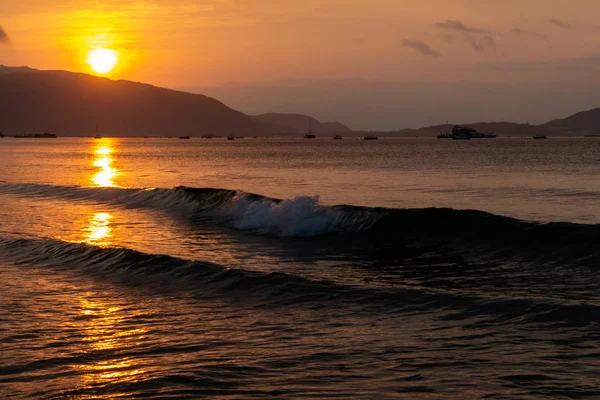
(230, 137)
(337, 137)
(45, 135)
(540, 136)
(465, 133)
(184, 137)
(310, 134)
(371, 137)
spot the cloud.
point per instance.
(460, 27)
(535, 35)
(558, 22)
(480, 39)
(421, 47)
(3, 36)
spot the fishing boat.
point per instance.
(230, 137)
(337, 137)
(371, 137)
(184, 137)
(540, 136)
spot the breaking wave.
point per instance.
(462, 231)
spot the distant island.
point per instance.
(77, 104)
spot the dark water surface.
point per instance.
(267, 268)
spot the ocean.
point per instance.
(287, 268)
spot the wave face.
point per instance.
(206, 279)
(460, 231)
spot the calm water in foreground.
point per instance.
(276, 269)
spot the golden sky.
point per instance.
(241, 43)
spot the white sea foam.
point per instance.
(299, 216)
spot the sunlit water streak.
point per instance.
(104, 161)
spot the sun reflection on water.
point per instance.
(103, 160)
(105, 330)
(99, 232)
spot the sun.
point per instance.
(102, 60)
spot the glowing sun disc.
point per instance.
(102, 60)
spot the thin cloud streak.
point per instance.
(460, 27)
(480, 39)
(535, 35)
(421, 47)
(558, 22)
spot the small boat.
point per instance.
(337, 137)
(184, 137)
(1, 135)
(230, 137)
(310, 134)
(371, 137)
(44, 135)
(97, 137)
(539, 136)
(591, 136)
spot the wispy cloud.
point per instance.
(421, 47)
(558, 22)
(4, 37)
(480, 39)
(460, 27)
(535, 35)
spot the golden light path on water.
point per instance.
(103, 151)
(99, 232)
(103, 328)
(102, 325)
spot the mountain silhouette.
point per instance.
(584, 122)
(295, 124)
(76, 104)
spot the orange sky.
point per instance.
(220, 44)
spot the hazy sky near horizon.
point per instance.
(373, 64)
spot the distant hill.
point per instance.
(585, 122)
(74, 104)
(296, 124)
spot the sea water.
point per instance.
(289, 268)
